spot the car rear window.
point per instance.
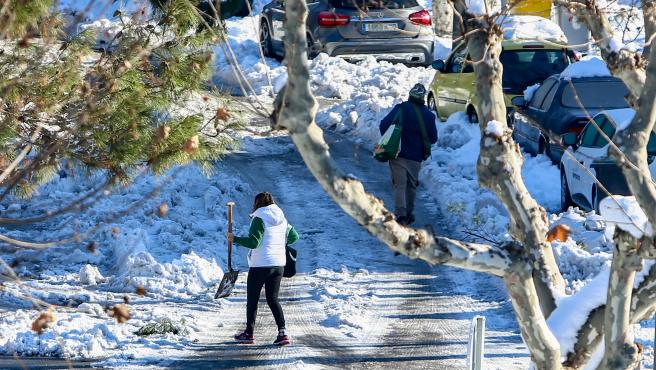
(523, 68)
(374, 4)
(595, 94)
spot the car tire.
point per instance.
(565, 196)
(311, 48)
(472, 116)
(265, 40)
(432, 105)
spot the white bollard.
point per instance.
(476, 344)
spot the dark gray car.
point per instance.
(392, 30)
(560, 106)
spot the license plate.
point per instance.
(380, 27)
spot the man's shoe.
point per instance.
(245, 338)
(281, 340)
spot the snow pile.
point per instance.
(530, 27)
(528, 93)
(625, 213)
(89, 275)
(172, 256)
(622, 117)
(588, 67)
(495, 128)
(367, 91)
(105, 29)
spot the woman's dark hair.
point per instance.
(262, 200)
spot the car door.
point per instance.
(277, 26)
(527, 125)
(592, 146)
(447, 81)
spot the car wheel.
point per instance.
(432, 104)
(311, 48)
(265, 40)
(565, 196)
(472, 115)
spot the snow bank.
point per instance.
(625, 213)
(588, 67)
(528, 93)
(89, 275)
(530, 27)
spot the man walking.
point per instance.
(417, 135)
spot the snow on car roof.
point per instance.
(621, 117)
(592, 66)
(531, 27)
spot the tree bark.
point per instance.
(649, 16)
(442, 18)
(621, 351)
(544, 348)
(500, 161)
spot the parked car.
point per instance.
(561, 105)
(392, 30)
(587, 157)
(525, 63)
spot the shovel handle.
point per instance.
(230, 205)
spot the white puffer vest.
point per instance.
(271, 251)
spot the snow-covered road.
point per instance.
(354, 304)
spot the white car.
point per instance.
(586, 158)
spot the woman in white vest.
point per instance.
(268, 235)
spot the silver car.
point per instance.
(391, 30)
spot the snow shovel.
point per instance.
(230, 277)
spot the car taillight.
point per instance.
(577, 129)
(330, 19)
(421, 17)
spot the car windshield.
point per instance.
(526, 67)
(595, 94)
(374, 4)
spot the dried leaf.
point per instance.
(222, 114)
(559, 232)
(91, 247)
(120, 312)
(116, 231)
(140, 290)
(43, 321)
(191, 145)
(126, 299)
(163, 210)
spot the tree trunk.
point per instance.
(620, 350)
(442, 18)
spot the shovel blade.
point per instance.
(227, 284)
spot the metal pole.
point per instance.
(475, 349)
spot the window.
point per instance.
(525, 67)
(608, 94)
(591, 138)
(546, 103)
(538, 96)
(458, 58)
(374, 4)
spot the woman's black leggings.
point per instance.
(269, 277)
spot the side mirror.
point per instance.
(439, 65)
(519, 101)
(569, 139)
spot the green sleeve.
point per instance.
(292, 236)
(255, 235)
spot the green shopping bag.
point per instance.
(389, 145)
